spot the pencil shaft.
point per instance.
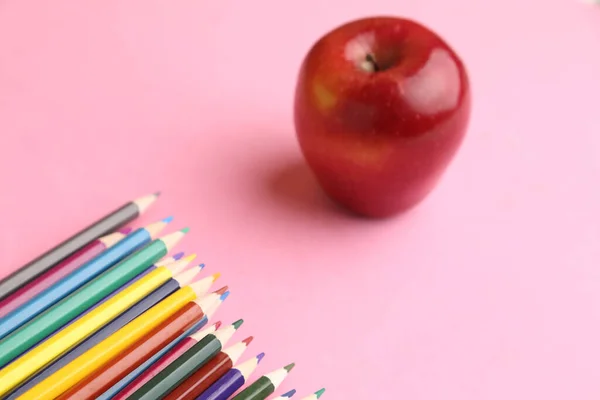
(50, 277)
(113, 294)
(197, 383)
(155, 368)
(149, 301)
(52, 257)
(259, 390)
(226, 386)
(94, 385)
(170, 377)
(109, 348)
(73, 281)
(120, 390)
(69, 308)
(58, 344)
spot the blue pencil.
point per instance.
(145, 304)
(76, 279)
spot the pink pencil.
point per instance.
(63, 269)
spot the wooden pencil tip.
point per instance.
(222, 290)
(248, 340)
(144, 202)
(156, 194)
(189, 258)
(319, 393)
(238, 323)
(290, 367)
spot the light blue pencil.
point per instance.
(76, 279)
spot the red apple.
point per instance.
(382, 106)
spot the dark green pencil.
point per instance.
(184, 366)
(264, 386)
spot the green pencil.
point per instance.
(264, 386)
(50, 321)
(185, 365)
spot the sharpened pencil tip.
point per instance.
(290, 367)
(201, 266)
(185, 230)
(217, 324)
(168, 219)
(156, 194)
(216, 276)
(222, 290)
(260, 357)
(319, 393)
(225, 295)
(178, 256)
(237, 324)
(289, 394)
(189, 258)
(144, 202)
(248, 340)
(126, 231)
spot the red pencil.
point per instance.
(205, 377)
(100, 381)
(165, 360)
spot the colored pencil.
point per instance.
(52, 257)
(61, 270)
(111, 347)
(188, 363)
(315, 396)
(177, 324)
(286, 396)
(76, 279)
(54, 318)
(130, 383)
(222, 387)
(58, 344)
(165, 360)
(116, 388)
(176, 263)
(133, 312)
(264, 386)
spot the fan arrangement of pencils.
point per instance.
(110, 314)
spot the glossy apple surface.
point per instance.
(381, 107)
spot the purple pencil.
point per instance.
(233, 379)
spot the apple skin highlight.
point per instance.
(382, 106)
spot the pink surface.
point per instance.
(489, 290)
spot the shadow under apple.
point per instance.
(294, 186)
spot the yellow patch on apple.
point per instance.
(366, 154)
(324, 98)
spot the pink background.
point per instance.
(489, 290)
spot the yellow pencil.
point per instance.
(40, 356)
(99, 355)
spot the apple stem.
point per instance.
(371, 60)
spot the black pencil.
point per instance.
(46, 261)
